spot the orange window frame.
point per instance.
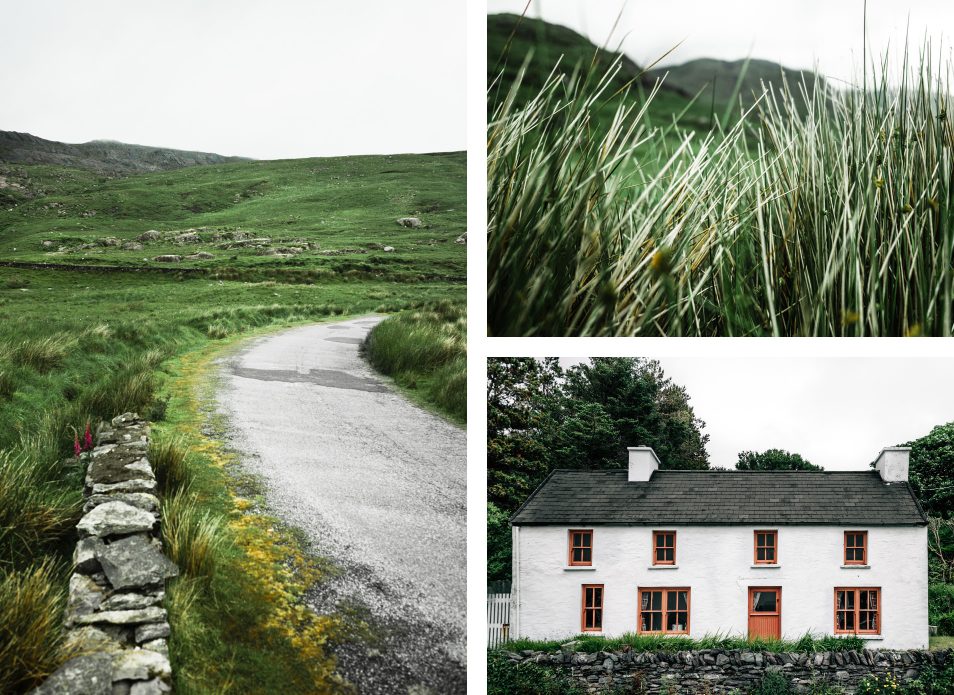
(657, 546)
(863, 547)
(592, 609)
(664, 610)
(773, 546)
(572, 538)
(856, 610)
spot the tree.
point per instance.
(931, 471)
(540, 417)
(773, 460)
(941, 546)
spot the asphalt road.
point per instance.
(376, 483)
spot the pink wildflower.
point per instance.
(87, 439)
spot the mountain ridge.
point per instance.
(109, 157)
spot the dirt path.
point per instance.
(376, 484)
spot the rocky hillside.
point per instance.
(101, 156)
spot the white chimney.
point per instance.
(892, 463)
(643, 462)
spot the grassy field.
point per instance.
(79, 345)
(425, 351)
(823, 213)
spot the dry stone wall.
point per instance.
(115, 616)
(718, 671)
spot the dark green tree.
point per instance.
(932, 470)
(773, 460)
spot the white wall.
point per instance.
(716, 562)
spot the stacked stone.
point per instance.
(115, 614)
(718, 671)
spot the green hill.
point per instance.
(101, 156)
(705, 75)
(323, 216)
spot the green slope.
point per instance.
(338, 212)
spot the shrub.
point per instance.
(31, 606)
(773, 683)
(193, 537)
(885, 684)
(945, 624)
(505, 677)
(940, 602)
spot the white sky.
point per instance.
(795, 34)
(836, 412)
(275, 79)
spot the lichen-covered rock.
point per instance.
(135, 561)
(167, 258)
(149, 632)
(130, 600)
(140, 665)
(151, 235)
(152, 614)
(90, 674)
(126, 486)
(85, 597)
(142, 500)
(84, 556)
(410, 222)
(115, 519)
(90, 639)
(153, 687)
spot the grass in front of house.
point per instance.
(425, 351)
(657, 643)
(942, 642)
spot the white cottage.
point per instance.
(768, 554)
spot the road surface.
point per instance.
(378, 487)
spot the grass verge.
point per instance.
(659, 643)
(425, 351)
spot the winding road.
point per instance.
(377, 485)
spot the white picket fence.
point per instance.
(498, 619)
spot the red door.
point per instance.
(765, 612)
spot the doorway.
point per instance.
(765, 612)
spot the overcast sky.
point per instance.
(276, 79)
(795, 34)
(836, 412)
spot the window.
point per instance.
(592, 607)
(858, 611)
(856, 547)
(664, 610)
(664, 547)
(581, 547)
(766, 547)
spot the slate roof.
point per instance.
(839, 498)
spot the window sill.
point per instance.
(873, 638)
(856, 567)
(579, 568)
(766, 566)
(663, 567)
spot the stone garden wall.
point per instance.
(115, 615)
(717, 671)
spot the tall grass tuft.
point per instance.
(35, 508)
(31, 606)
(193, 537)
(42, 354)
(129, 389)
(168, 458)
(817, 213)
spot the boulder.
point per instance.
(151, 235)
(135, 561)
(49, 244)
(109, 241)
(133, 246)
(115, 519)
(168, 258)
(462, 239)
(388, 249)
(200, 256)
(90, 674)
(410, 222)
(188, 238)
